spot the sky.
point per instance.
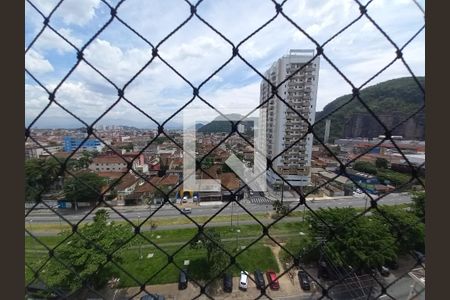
(196, 52)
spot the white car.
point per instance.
(185, 199)
(243, 280)
(186, 210)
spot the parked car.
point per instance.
(303, 278)
(185, 199)
(153, 297)
(227, 283)
(384, 271)
(182, 280)
(243, 281)
(273, 281)
(393, 265)
(186, 210)
(420, 256)
(195, 198)
(259, 279)
(323, 270)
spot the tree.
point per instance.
(40, 174)
(162, 192)
(128, 147)
(366, 167)
(362, 242)
(86, 187)
(381, 163)
(419, 205)
(280, 208)
(84, 255)
(85, 160)
(216, 258)
(207, 163)
(405, 226)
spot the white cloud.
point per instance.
(196, 51)
(78, 12)
(36, 63)
(51, 41)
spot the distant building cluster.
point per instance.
(156, 159)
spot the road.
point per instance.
(47, 216)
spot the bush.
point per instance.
(366, 167)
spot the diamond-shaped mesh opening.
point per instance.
(109, 212)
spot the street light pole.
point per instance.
(140, 244)
(231, 216)
(75, 202)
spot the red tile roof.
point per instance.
(229, 180)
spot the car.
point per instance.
(273, 280)
(152, 297)
(186, 210)
(393, 265)
(420, 256)
(259, 279)
(185, 199)
(243, 281)
(323, 270)
(303, 278)
(384, 271)
(227, 283)
(251, 193)
(182, 280)
(195, 198)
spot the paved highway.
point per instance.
(47, 216)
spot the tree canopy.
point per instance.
(366, 167)
(40, 174)
(217, 259)
(84, 255)
(405, 226)
(363, 242)
(419, 205)
(86, 187)
(381, 163)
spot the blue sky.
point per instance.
(196, 51)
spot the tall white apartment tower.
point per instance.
(284, 126)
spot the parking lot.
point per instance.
(171, 292)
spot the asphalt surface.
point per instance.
(47, 216)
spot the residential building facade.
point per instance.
(284, 126)
(71, 144)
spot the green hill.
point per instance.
(220, 124)
(392, 100)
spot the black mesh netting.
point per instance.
(347, 282)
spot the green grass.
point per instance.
(183, 235)
(257, 256)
